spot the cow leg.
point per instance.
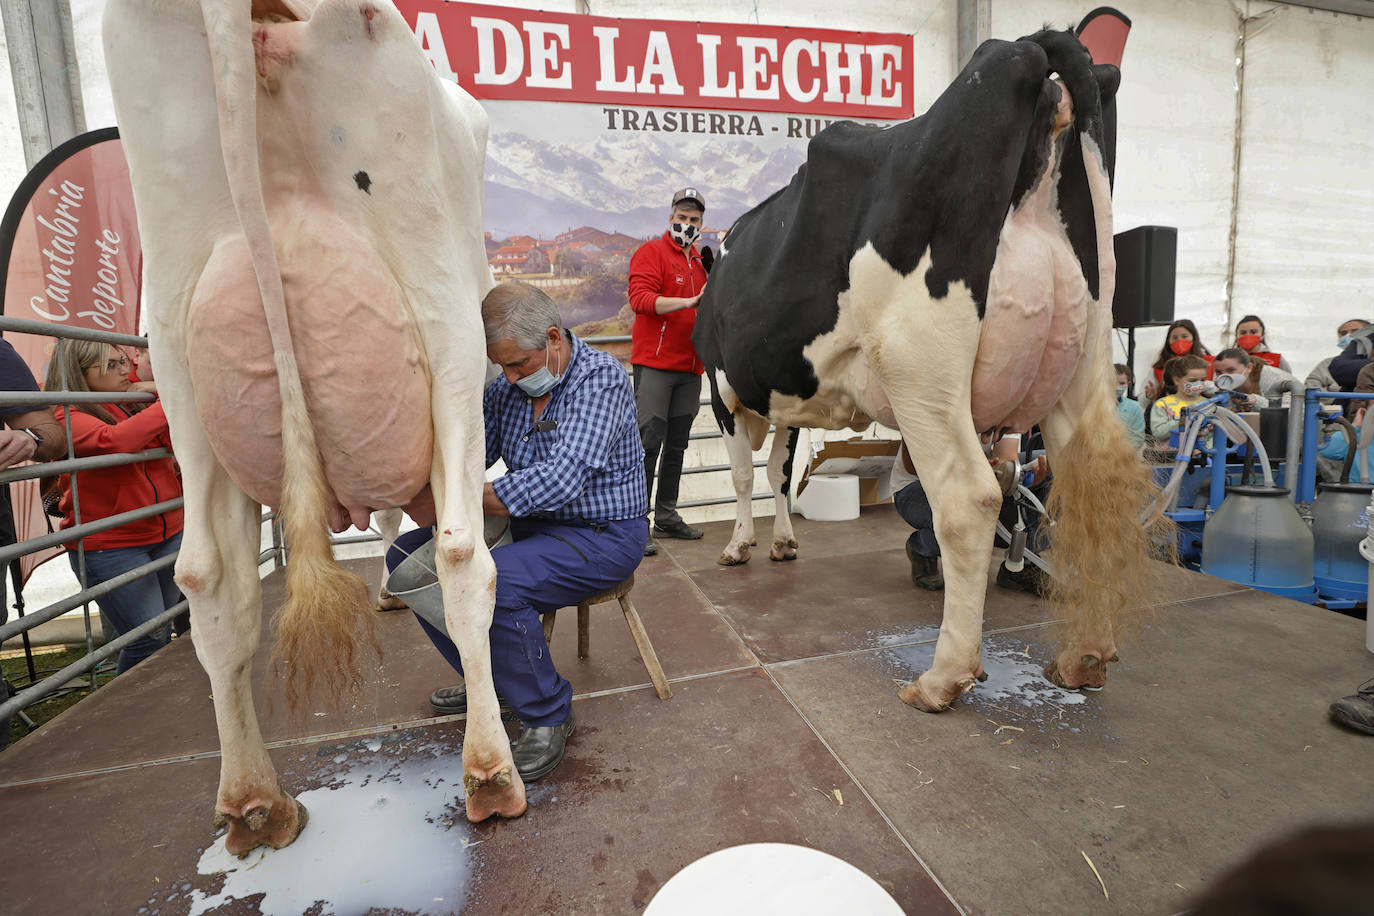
(780, 479)
(467, 576)
(389, 524)
(922, 349)
(217, 570)
(741, 452)
(964, 499)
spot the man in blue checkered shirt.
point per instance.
(563, 419)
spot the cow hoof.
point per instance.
(1088, 673)
(783, 549)
(389, 602)
(275, 824)
(728, 559)
(500, 793)
(915, 694)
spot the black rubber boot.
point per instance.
(925, 571)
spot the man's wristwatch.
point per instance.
(36, 436)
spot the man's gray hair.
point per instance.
(521, 313)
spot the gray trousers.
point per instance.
(666, 404)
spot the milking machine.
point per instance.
(1339, 511)
(1251, 533)
(1303, 540)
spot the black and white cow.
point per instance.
(948, 276)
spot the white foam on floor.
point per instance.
(1015, 673)
(384, 834)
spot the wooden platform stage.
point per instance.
(1211, 739)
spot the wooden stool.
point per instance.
(619, 593)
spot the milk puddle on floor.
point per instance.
(1015, 676)
(384, 833)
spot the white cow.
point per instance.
(310, 201)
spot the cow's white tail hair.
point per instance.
(325, 613)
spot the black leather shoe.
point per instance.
(453, 701)
(650, 549)
(925, 571)
(678, 529)
(1356, 710)
(539, 750)
(1030, 579)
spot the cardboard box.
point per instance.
(868, 459)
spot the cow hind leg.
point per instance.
(922, 350)
(217, 570)
(740, 448)
(780, 479)
(389, 524)
(467, 576)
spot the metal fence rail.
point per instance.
(38, 690)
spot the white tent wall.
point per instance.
(1304, 261)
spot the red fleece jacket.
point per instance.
(110, 491)
(661, 268)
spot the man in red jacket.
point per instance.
(666, 280)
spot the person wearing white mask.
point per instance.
(667, 275)
(1128, 408)
(1320, 376)
(1258, 386)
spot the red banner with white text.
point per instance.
(69, 256)
(498, 52)
(595, 122)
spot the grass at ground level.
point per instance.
(46, 662)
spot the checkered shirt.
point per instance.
(590, 466)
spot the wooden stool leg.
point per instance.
(549, 619)
(584, 636)
(646, 648)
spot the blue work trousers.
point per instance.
(139, 601)
(550, 565)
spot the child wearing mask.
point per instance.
(1181, 339)
(1128, 408)
(1187, 377)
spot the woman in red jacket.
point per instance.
(104, 429)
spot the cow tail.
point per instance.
(326, 608)
(1106, 577)
(326, 613)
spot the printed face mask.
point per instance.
(1248, 342)
(1231, 381)
(684, 233)
(1181, 346)
(539, 382)
(1192, 387)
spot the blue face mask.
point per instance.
(539, 382)
(1345, 341)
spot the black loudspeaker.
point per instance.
(1145, 261)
